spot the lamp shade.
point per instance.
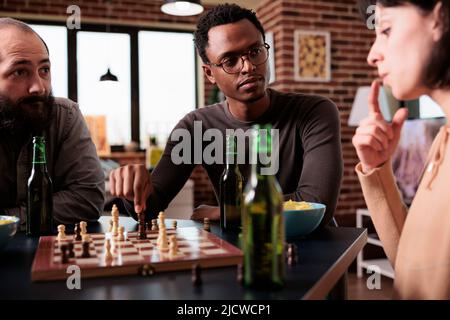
(182, 8)
(108, 76)
(360, 109)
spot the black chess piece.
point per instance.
(64, 257)
(206, 225)
(77, 232)
(146, 270)
(240, 274)
(196, 275)
(85, 253)
(71, 253)
(292, 254)
(141, 229)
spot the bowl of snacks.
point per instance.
(8, 228)
(302, 218)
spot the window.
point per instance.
(96, 52)
(429, 108)
(156, 72)
(167, 75)
(56, 39)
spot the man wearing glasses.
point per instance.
(231, 42)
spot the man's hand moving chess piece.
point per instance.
(132, 182)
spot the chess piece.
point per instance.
(71, 253)
(86, 243)
(121, 236)
(162, 219)
(162, 239)
(206, 225)
(111, 223)
(154, 225)
(86, 238)
(291, 254)
(108, 254)
(115, 228)
(77, 232)
(64, 257)
(114, 211)
(146, 270)
(141, 228)
(61, 232)
(196, 275)
(174, 224)
(115, 219)
(240, 274)
(173, 246)
(83, 227)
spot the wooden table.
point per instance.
(323, 260)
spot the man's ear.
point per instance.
(208, 73)
(438, 23)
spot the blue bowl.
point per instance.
(299, 223)
(8, 230)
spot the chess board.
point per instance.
(134, 256)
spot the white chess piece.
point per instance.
(114, 211)
(173, 246)
(83, 226)
(108, 254)
(162, 244)
(61, 232)
(162, 219)
(115, 229)
(120, 235)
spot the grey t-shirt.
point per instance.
(310, 158)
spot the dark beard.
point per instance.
(31, 114)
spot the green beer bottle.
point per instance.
(263, 227)
(39, 193)
(231, 189)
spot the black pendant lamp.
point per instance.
(108, 76)
(182, 7)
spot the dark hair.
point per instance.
(437, 71)
(9, 22)
(220, 15)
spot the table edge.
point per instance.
(330, 278)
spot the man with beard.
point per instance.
(230, 41)
(28, 108)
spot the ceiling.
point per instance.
(250, 4)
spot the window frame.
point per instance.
(133, 32)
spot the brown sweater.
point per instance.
(310, 163)
(73, 165)
(416, 242)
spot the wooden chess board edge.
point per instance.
(135, 269)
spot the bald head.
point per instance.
(24, 62)
(6, 23)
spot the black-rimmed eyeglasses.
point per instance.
(234, 63)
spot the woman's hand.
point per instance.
(375, 140)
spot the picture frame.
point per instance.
(312, 56)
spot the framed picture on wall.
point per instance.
(270, 41)
(312, 56)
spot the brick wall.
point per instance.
(349, 38)
(350, 43)
(121, 12)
